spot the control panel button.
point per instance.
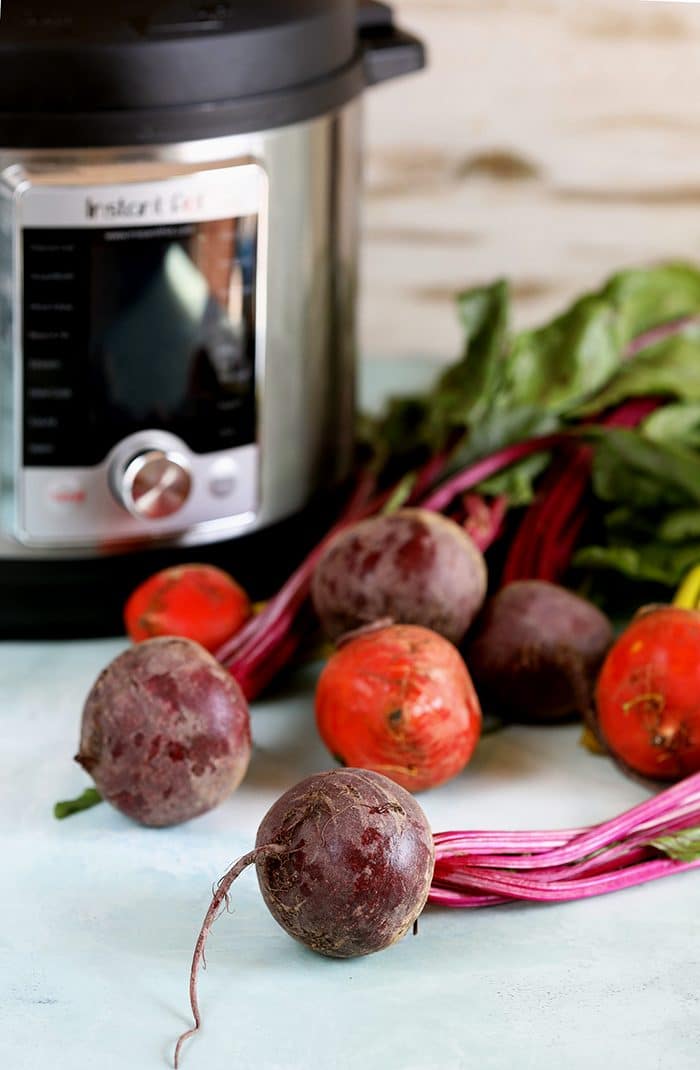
(222, 478)
(154, 484)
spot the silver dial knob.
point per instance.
(154, 484)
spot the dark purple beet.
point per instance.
(411, 567)
(165, 732)
(358, 864)
(344, 862)
(536, 652)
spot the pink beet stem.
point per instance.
(676, 807)
(685, 793)
(669, 821)
(612, 859)
(289, 593)
(659, 334)
(518, 887)
(449, 898)
(486, 842)
(476, 473)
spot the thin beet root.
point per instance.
(219, 898)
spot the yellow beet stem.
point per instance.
(688, 594)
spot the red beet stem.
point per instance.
(489, 466)
(483, 520)
(296, 586)
(544, 543)
(449, 897)
(538, 550)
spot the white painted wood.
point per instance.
(550, 141)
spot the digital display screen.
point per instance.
(131, 328)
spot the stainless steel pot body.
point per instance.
(298, 188)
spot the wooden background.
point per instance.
(551, 141)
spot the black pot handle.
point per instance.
(388, 52)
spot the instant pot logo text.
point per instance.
(178, 203)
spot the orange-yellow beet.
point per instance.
(399, 700)
(647, 695)
(198, 602)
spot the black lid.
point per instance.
(152, 70)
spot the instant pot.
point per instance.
(178, 242)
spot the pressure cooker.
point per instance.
(179, 189)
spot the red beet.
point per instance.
(536, 652)
(412, 567)
(357, 864)
(344, 862)
(165, 732)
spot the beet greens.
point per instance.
(541, 434)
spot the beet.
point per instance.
(358, 862)
(647, 712)
(165, 732)
(344, 861)
(399, 700)
(411, 567)
(537, 651)
(194, 601)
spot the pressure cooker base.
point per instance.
(84, 599)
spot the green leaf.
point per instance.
(507, 388)
(402, 426)
(668, 369)
(90, 797)
(499, 429)
(680, 525)
(517, 483)
(626, 522)
(682, 846)
(400, 495)
(559, 366)
(675, 423)
(630, 469)
(655, 562)
(645, 297)
(472, 383)
(579, 358)
(426, 422)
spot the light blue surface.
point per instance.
(380, 379)
(99, 918)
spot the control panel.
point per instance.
(139, 352)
